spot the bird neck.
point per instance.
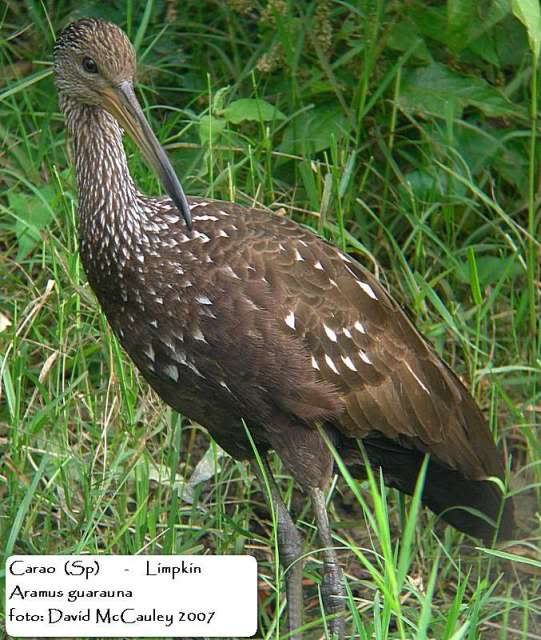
(107, 193)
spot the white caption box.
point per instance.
(131, 596)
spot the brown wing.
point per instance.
(361, 342)
(289, 310)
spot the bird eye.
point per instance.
(90, 65)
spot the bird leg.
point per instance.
(289, 548)
(332, 589)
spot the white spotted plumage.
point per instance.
(364, 357)
(290, 320)
(367, 289)
(197, 334)
(349, 363)
(171, 372)
(330, 333)
(358, 326)
(330, 363)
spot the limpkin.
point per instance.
(239, 316)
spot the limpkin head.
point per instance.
(94, 65)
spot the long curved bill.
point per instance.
(122, 103)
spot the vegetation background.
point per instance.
(402, 130)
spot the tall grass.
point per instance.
(405, 133)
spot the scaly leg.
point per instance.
(290, 549)
(332, 589)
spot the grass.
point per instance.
(404, 132)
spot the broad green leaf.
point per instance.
(495, 14)
(251, 109)
(430, 21)
(313, 130)
(467, 21)
(485, 48)
(31, 214)
(490, 269)
(403, 35)
(478, 146)
(210, 129)
(434, 88)
(490, 148)
(426, 186)
(431, 187)
(529, 13)
(512, 165)
(460, 19)
(447, 24)
(510, 43)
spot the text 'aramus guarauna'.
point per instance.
(234, 314)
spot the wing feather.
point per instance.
(388, 377)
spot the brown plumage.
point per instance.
(251, 317)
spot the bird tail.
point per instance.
(476, 507)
